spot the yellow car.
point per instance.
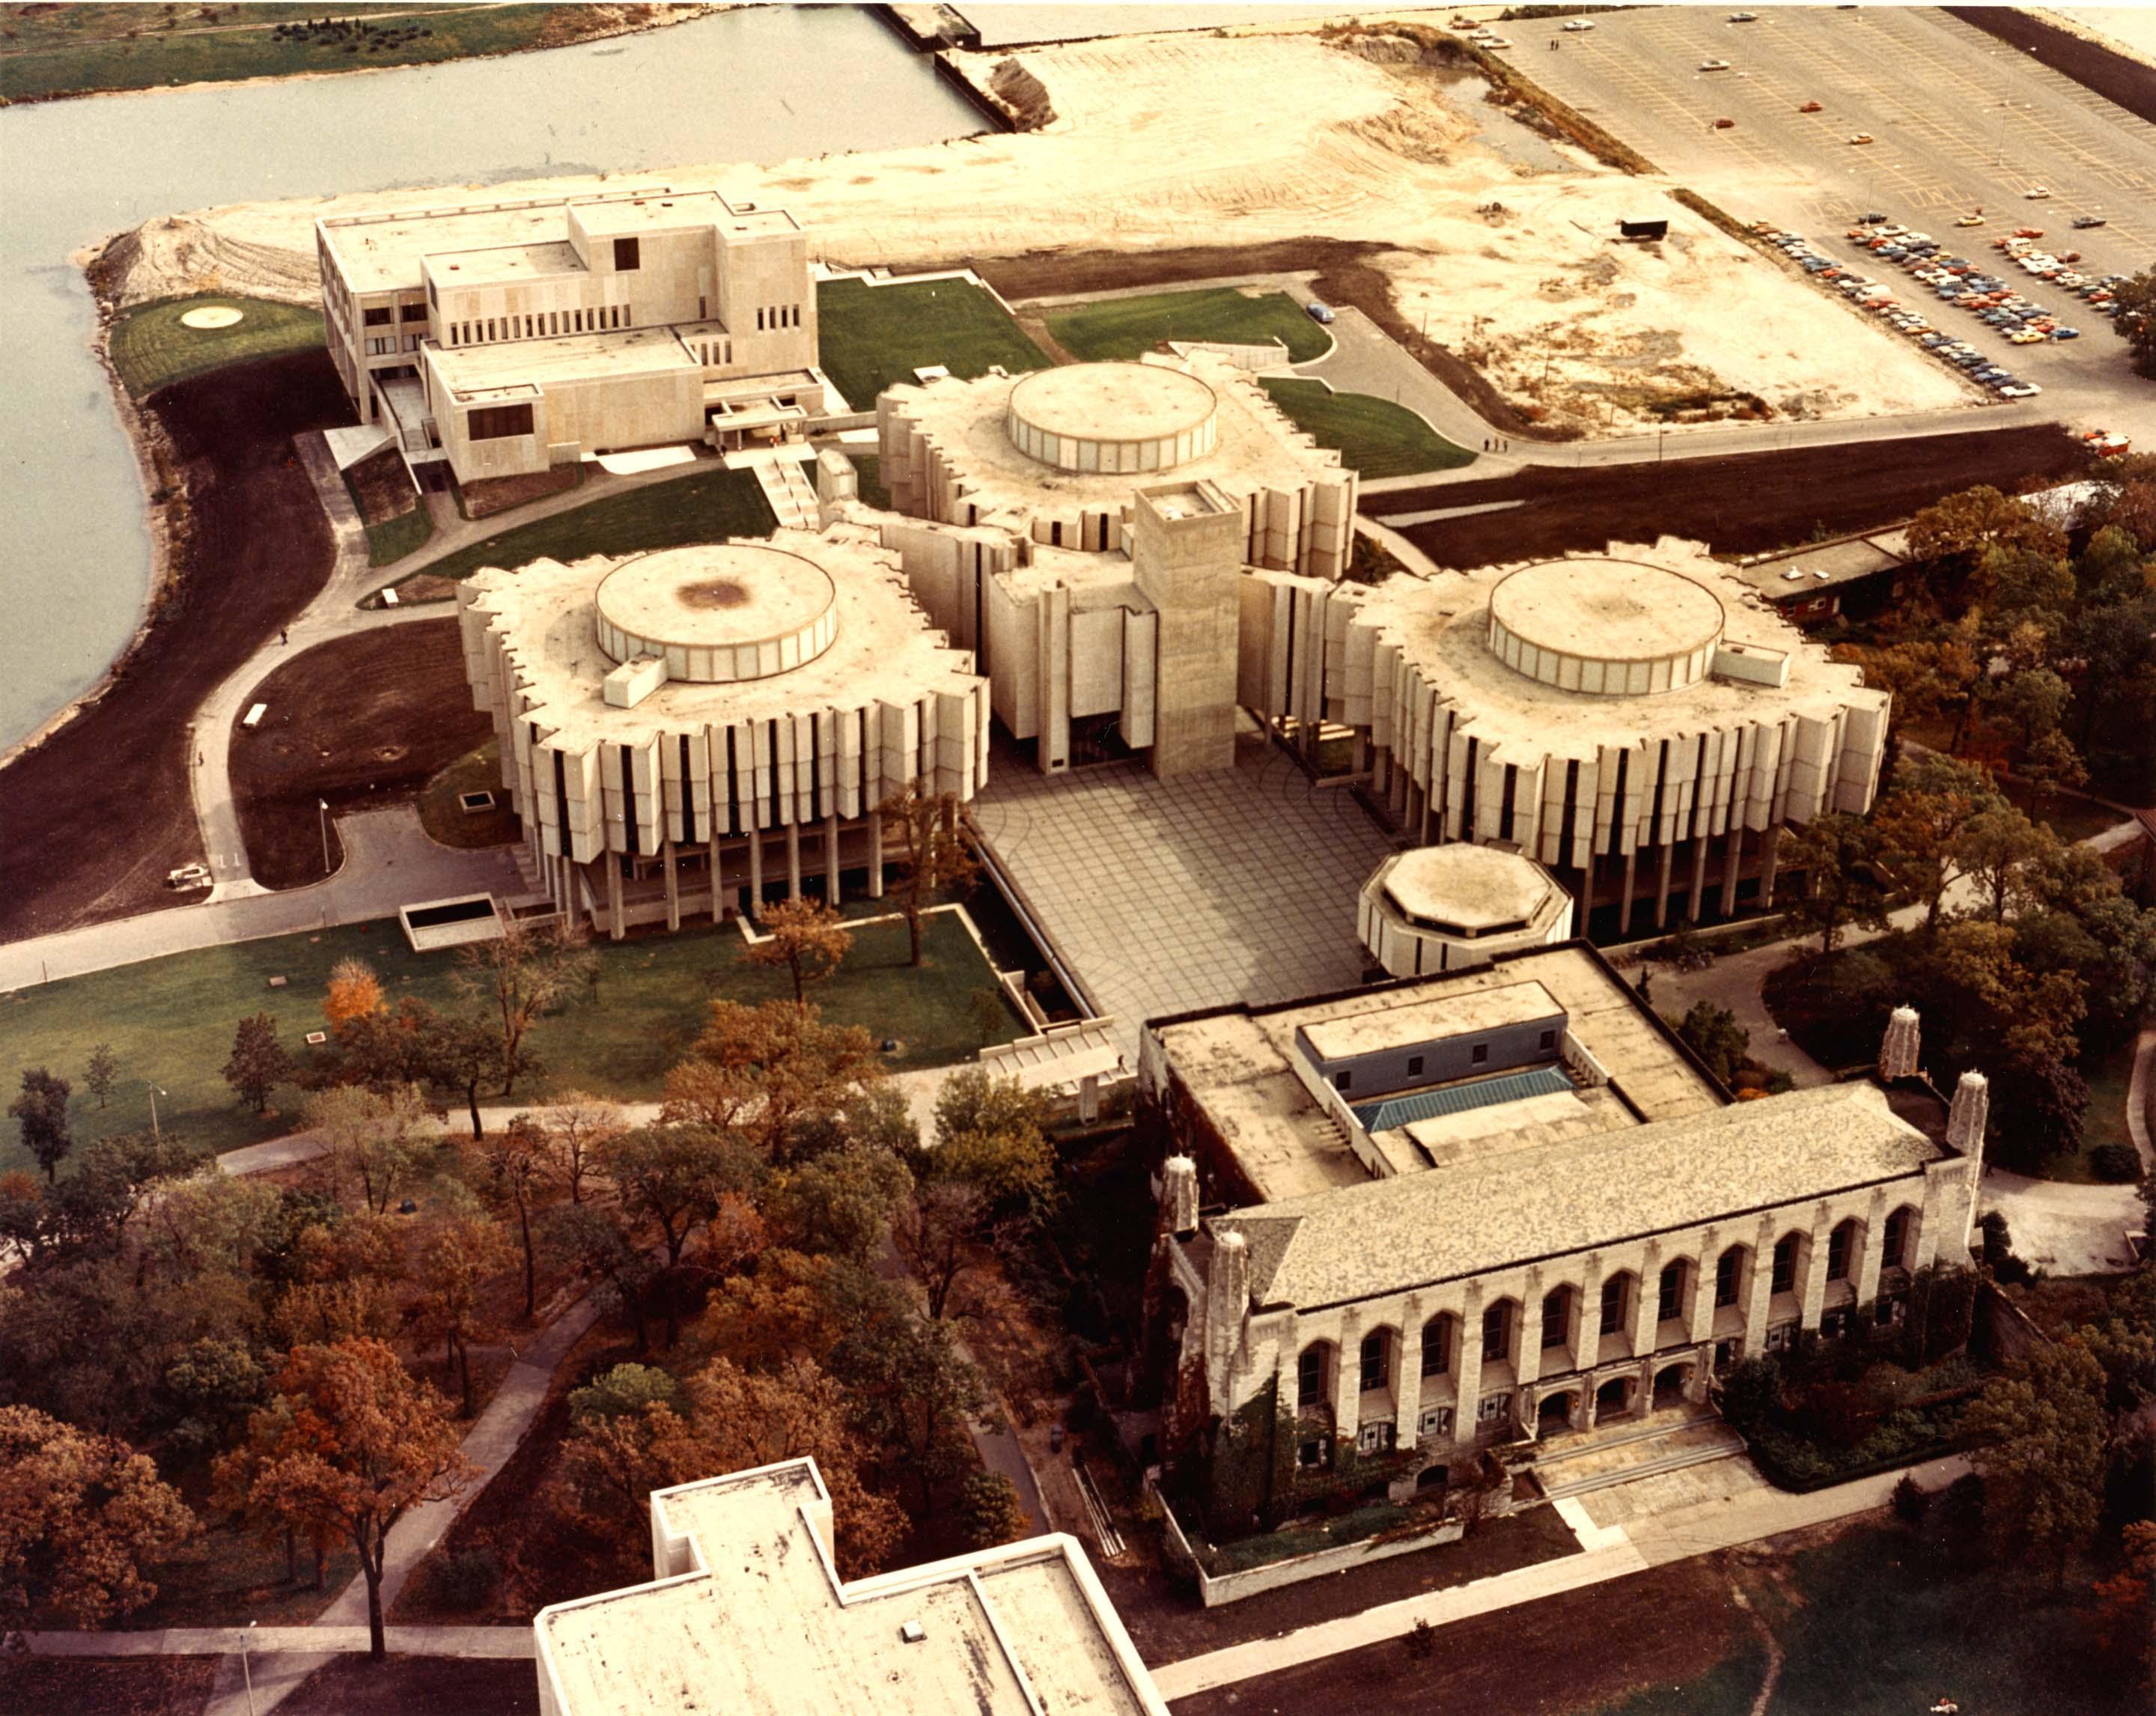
(1970, 220)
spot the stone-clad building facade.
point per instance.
(1423, 1264)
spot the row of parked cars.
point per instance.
(2099, 291)
(1917, 253)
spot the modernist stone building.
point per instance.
(1639, 721)
(1084, 530)
(677, 726)
(1432, 1216)
(506, 338)
(746, 1612)
(1443, 908)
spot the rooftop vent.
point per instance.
(913, 1632)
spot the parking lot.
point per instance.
(1960, 123)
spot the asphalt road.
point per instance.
(1962, 121)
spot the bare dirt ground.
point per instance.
(416, 1686)
(1578, 1651)
(1162, 143)
(1745, 504)
(99, 813)
(126, 1686)
(363, 721)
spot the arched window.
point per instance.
(1617, 1303)
(1557, 1316)
(1785, 1262)
(1498, 1330)
(1377, 1357)
(1894, 1242)
(1437, 1344)
(1670, 1290)
(1841, 1250)
(1312, 1374)
(1728, 1275)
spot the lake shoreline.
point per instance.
(686, 12)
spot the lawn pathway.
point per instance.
(488, 1445)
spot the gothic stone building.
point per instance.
(1432, 1216)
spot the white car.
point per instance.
(2036, 194)
(1578, 24)
(1714, 65)
(2020, 390)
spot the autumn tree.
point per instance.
(1841, 889)
(102, 1074)
(2000, 849)
(455, 1054)
(1955, 531)
(805, 936)
(991, 1134)
(931, 853)
(841, 1201)
(2043, 1447)
(594, 1242)
(673, 1176)
(990, 1511)
(519, 1165)
(938, 1232)
(1713, 1034)
(771, 1074)
(81, 1518)
(1915, 826)
(577, 1123)
(377, 1140)
(259, 1062)
(464, 1251)
(41, 1110)
(354, 990)
(344, 1275)
(521, 976)
(916, 1391)
(2136, 320)
(356, 1444)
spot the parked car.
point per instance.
(1743, 18)
(1577, 24)
(1968, 220)
(1723, 124)
(2066, 333)
(2020, 390)
(2036, 194)
(1809, 107)
(1319, 312)
(1714, 65)
(1861, 138)
(1870, 220)
(2082, 223)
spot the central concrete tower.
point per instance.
(1186, 559)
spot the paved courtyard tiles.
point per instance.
(1167, 896)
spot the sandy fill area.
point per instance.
(1256, 137)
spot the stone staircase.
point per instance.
(786, 487)
(1597, 1462)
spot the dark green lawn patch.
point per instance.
(172, 1020)
(1374, 436)
(448, 823)
(1125, 327)
(152, 349)
(871, 336)
(389, 542)
(712, 504)
(868, 467)
(1725, 1689)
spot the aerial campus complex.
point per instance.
(1266, 893)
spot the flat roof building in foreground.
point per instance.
(746, 1614)
(504, 339)
(672, 724)
(1632, 719)
(1467, 1209)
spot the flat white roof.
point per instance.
(749, 1618)
(1429, 1019)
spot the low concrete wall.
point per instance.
(1271, 355)
(1214, 1589)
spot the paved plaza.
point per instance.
(1166, 896)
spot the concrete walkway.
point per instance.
(389, 862)
(314, 1642)
(1622, 1550)
(2138, 1092)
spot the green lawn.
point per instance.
(870, 337)
(707, 507)
(151, 348)
(448, 823)
(1125, 327)
(68, 50)
(1374, 436)
(172, 1020)
(869, 467)
(393, 539)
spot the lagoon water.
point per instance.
(760, 84)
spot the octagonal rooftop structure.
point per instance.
(1444, 908)
(1056, 455)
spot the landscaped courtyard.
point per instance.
(872, 337)
(171, 1020)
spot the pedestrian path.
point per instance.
(506, 1642)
